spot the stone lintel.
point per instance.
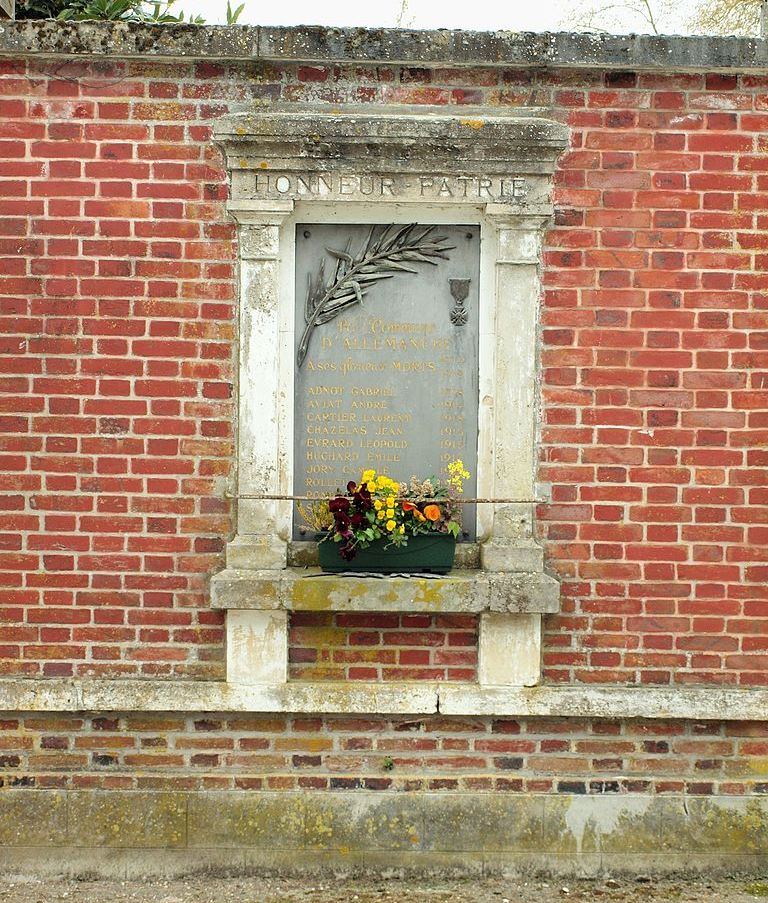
(423, 697)
(294, 589)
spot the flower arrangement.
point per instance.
(378, 508)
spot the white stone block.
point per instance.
(509, 650)
(257, 647)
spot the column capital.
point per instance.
(532, 218)
(260, 213)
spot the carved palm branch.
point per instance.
(382, 256)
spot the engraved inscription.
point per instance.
(491, 188)
(390, 385)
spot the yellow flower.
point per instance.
(381, 515)
(378, 504)
(402, 529)
(390, 525)
(368, 475)
(371, 486)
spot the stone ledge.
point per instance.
(309, 589)
(317, 44)
(422, 698)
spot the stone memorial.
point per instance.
(389, 295)
(389, 380)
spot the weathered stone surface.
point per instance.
(257, 647)
(130, 834)
(110, 819)
(388, 141)
(509, 650)
(311, 590)
(607, 823)
(709, 704)
(348, 822)
(483, 823)
(247, 820)
(320, 44)
(421, 697)
(31, 818)
(722, 824)
(127, 39)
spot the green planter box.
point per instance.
(423, 555)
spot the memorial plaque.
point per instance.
(386, 354)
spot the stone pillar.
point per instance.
(257, 641)
(510, 644)
(511, 546)
(262, 541)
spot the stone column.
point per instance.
(257, 641)
(258, 543)
(510, 644)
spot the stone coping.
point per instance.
(420, 698)
(309, 589)
(317, 44)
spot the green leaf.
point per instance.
(232, 17)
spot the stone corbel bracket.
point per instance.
(393, 164)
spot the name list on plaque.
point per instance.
(386, 373)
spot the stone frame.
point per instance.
(324, 165)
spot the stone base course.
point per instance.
(134, 834)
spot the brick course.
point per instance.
(117, 290)
(273, 752)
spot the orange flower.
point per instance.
(432, 512)
(407, 506)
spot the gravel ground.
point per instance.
(262, 890)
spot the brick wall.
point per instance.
(269, 752)
(118, 300)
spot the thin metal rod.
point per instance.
(321, 498)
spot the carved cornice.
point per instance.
(391, 140)
(403, 155)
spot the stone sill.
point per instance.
(309, 589)
(419, 698)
